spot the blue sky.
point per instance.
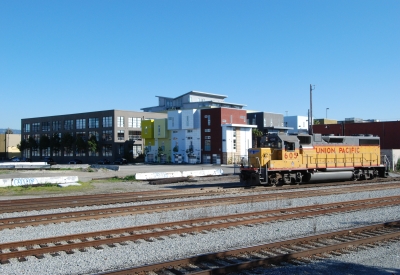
(63, 57)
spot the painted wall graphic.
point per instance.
(38, 180)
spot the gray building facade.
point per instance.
(117, 134)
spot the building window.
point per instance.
(107, 150)
(134, 135)
(94, 122)
(159, 130)
(94, 134)
(120, 121)
(27, 128)
(121, 150)
(46, 152)
(121, 135)
(187, 120)
(80, 123)
(56, 125)
(93, 154)
(107, 135)
(35, 127)
(136, 150)
(82, 135)
(134, 122)
(207, 145)
(207, 130)
(69, 125)
(68, 153)
(107, 121)
(35, 152)
(45, 126)
(208, 117)
(80, 153)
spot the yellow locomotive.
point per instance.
(303, 158)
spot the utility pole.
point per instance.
(310, 120)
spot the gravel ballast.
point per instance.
(379, 260)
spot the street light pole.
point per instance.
(327, 113)
(310, 120)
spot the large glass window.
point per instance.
(121, 135)
(68, 124)
(136, 150)
(107, 150)
(94, 122)
(107, 135)
(135, 135)
(81, 123)
(56, 125)
(45, 126)
(120, 121)
(27, 127)
(94, 134)
(36, 127)
(81, 134)
(46, 152)
(107, 121)
(134, 122)
(207, 145)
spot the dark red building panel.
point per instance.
(388, 131)
(211, 130)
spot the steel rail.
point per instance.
(33, 220)
(19, 205)
(110, 237)
(282, 251)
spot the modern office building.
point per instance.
(225, 135)
(116, 133)
(192, 100)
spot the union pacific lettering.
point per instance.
(339, 150)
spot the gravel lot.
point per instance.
(382, 259)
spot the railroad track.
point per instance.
(295, 251)
(35, 220)
(81, 242)
(20, 205)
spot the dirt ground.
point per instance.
(100, 181)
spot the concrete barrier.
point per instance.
(24, 165)
(179, 174)
(37, 180)
(106, 166)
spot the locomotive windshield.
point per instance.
(271, 141)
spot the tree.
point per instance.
(256, 134)
(44, 143)
(92, 144)
(9, 131)
(32, 145)
(55, 143)
(80, 144)
(22, 146)
(67, 142)
(160, 153)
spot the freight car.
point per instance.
(303, 158)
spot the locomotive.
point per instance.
(304, 158)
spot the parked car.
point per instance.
(19, 159)
(120, 161)
(103, 161)
(75, 161)
(49, 160)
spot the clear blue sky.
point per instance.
(62, 57)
